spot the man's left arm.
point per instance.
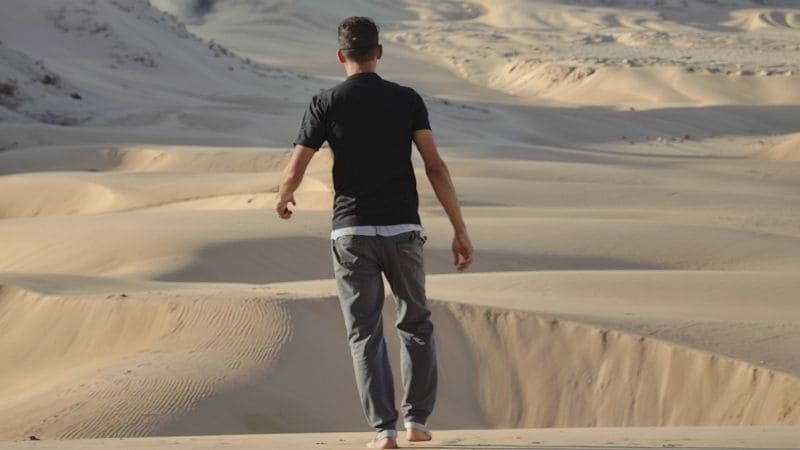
(291, 179)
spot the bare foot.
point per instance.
(387, 442)
(417, 435)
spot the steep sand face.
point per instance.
(537, 372)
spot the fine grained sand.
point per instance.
(628, 171)
(572, 439)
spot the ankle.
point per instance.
(417, 432)
(385, 442)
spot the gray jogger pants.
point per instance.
(358, 262)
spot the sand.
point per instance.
(628, 171)
(573, 439)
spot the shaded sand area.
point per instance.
(628, 171)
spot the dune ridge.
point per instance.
(186, 362)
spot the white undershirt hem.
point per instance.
(375, 230)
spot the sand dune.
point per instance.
(757, 20)
(133, 66)
(511, 47)
(120, 367)
(627, 170)
(787, 149)
(144, 158)
(206, 359)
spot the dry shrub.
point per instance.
(50, 80)
(8, 91)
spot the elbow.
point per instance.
(436, 170)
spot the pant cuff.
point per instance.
(415, 423)
(383, 434)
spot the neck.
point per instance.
(354, 68)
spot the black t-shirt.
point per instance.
(369, 123)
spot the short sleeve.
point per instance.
(313, 129)
(419, 119)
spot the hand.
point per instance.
(462, 251)
(282, 208)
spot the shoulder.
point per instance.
(414, 98)
(324, 95)
(407, 92)
(321, 101)
(397, 87)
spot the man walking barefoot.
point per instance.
(370, 124)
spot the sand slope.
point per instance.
(205, 359)
(787, 149)
(130, 65)
(626, 169)
(124, 367)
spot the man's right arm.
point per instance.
(439, 176)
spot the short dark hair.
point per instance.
(358, 39)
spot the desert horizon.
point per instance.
(629, 171)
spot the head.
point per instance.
(359, 49)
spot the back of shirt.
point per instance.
(369, 123)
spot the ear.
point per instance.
(340, 56)
(380, 51)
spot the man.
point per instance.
(370, 124)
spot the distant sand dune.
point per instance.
(156, 178)
(144, 158)
(787, 149)
(194, 159)
(29, 196)
(68, 193)
(618, 53)
(759, 19)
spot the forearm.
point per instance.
(446, 194)
(289, 183)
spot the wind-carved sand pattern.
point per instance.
(628, 170)
(126, 364)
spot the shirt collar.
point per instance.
(364, 76)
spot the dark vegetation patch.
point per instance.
(50, 79)
(8, 93)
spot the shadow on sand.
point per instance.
(277, 260)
